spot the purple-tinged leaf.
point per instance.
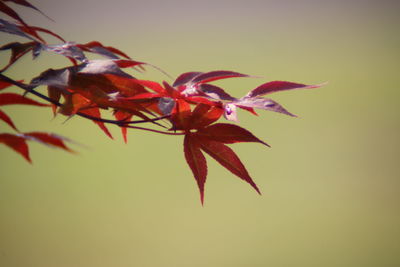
(196, 161)
(185, 78)
(12, 28)
(215, 92)
(276, 86)
(228, 134)
(262, 103)
(216, 75)
(68, 49)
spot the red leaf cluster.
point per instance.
(189, 106)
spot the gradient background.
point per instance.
(330, 182)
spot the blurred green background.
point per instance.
(330, 182)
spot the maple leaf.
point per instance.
(212, 140)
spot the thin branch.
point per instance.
(30, 89)
(152, 130)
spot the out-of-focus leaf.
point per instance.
(228, 134)
(17, 51)
(196, 161)
(4, 117)
(48, 139)
(4, 84)
(10, 12)
(12, 99)
(276, 86)
(27, 4)
(225, 156)
(17, 143)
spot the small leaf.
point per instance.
(276, 86)
(196, 161)
(17, 143)
(228, 134)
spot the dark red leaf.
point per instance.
(181, 114)
(156, 87)
(185, 78)
(204, 115)
(196, 161)
(128, 63)
(276, 86)
(17, 143)
(48, 139)
(227, 158)
(228, 134)
(4, 117)
(54, 94)
(216, 75)
(27, 4)
(11, 99)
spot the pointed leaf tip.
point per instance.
(196, 161)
